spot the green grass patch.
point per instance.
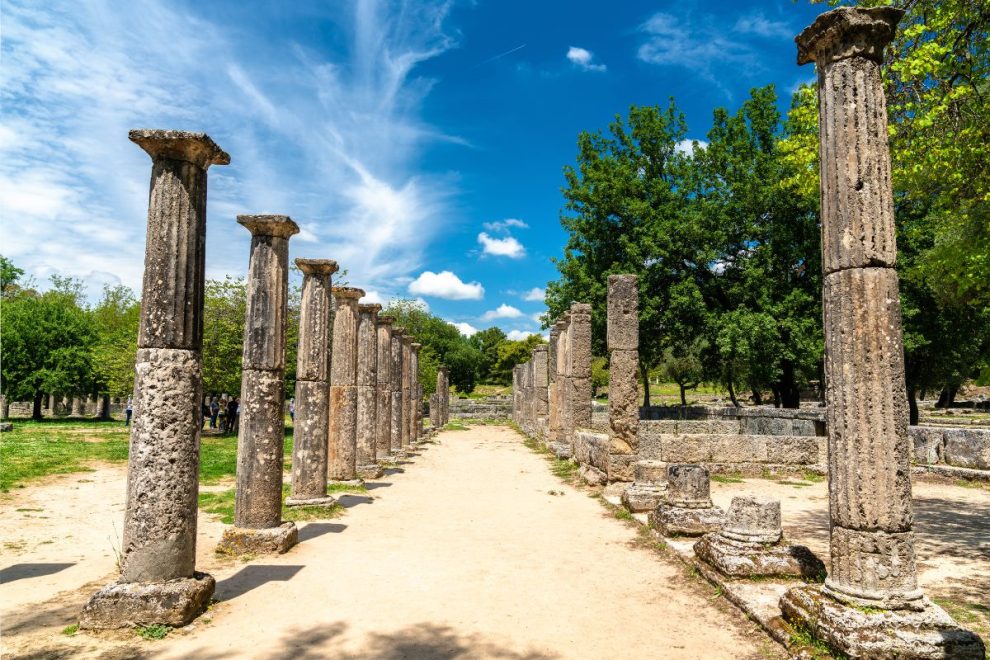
(456, 425)
(38, 449)
(797, 484)
(153, 631)
(813, 477)
(727, 478)
(69, 631)
(564, 468)
(218, 456)
(810, 646)
(222, 504)
(333, 489)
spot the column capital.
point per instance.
(386, 320)
(416, 346)
(540, 348)
(398, 330)
(369, 308)
(269, 225)
(347, 293)
(317, 266)
(848, 32)
(196, 148)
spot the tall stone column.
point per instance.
(553, 412)
(398, 371)
(623, 393)
(342, 457)
(311, 425)
(445, 397)
(562, 446)
(77, 406)
(383, 389)
(579, 356)
(872, 544)
(516, 394)
(407, 397)
(436, 416)
(416, 397)
(158, 582)
(541, 395)
(367, 400)
(258, 526)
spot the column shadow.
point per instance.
(23, 571)
(251, 577)
(314, 529)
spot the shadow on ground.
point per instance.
(251, 577)
(22, 571)
(314, 529)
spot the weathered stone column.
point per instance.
(516, 394)
(436, 411)
(158, 582)
(311, 426)
(623, 393)
(541, 395)
(407, 397)
(553, 411)
(445, 397)
(562, 446)
(342, 455)
(77, 406)
(258, 526)
(383, 389)
(398, 369)
(367, 383)
(416, 399)
(872, 544)
(579, 355)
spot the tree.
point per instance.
(685, 367)
(513, 352)
(224, 310)
(748, 344)
(9, 274)
(115, 320)
(47, 343)
(487, 342)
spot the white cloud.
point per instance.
(537, 317)
(503, 311)
(294, 116)
(687, 146)
(519, 335)
(501, 247)
(445, 285)
(372, 297)
(504, 225)
(583, 58)
(536, 294)
(465, 329)
(761, 26)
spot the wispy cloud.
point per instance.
(505, 225)
(331, 138)
(503, 311)
(519, 335)
(501, 247)
(465, 329)
(445, 284)
(687, 146)
(761, 26)
(584, 59)
(536, 294)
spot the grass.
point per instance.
(456, 425)
(69, 631)
(728, 478)
(222, 504)
(564, 468)
(37, 449)
(810, 646)
(153, 631)
(975, 616)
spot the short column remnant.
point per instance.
(367, 402)
(158, 583)
(398, 368)
(750, 544)
(688, 509)
(258, 526)
(623, 369)
(870, 604)
(383, 390)
(342, 454)
(445, 397)
(649, 487)
(310, 428)
(434, 411)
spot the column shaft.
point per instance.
(342, 454)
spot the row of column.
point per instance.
(357, 394)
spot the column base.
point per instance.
(128, 604)
(678, 521)
(370, 471)
(641, 497)
(873, 633)
(264, 541)
(734, 558)
(310, 501)
(346, 482)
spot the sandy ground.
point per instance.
(474, 550)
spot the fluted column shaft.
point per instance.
(540, 386)
(565, 381)
(367, 383)
(406, 389)
(383, 388)
(342, 451)
(416, 396)
(163, 464)
(310, 428)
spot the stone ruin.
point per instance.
(686, 508)
(357, 395)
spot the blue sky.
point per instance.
(420, 143)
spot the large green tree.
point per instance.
(116, 318)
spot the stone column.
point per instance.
(158, 582)
(77, 406)
(541, 395)
(436, 414)
(623, 393)
(310, 430)
(367, 383)
(383, 389)
(398, 370)
(553, 412)
(872, 544)
(416, 399)
(516, 394)
(562, 446)
(579, 355)
(258, 526)
(445, 397)
(342, 456)
(407, 341)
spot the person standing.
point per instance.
(128, 411)
(292, 410)
(214, 411)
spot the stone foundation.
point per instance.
(677, 521)
(128, 604)
(313, 501)
(747, 559)
(267, 541)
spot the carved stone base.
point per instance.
(747, 559)
(862, 633)
(561, 450)
(266, 541)
(313, 501)
(370, 471)
(677, 521)
(129, 604)
(643, 497)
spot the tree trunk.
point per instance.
(105, 411)
(790, 393)
(36, 408)
(757, 396)
(912, 394)
(943, 398)
(683, 399)
(732, 394)
(776, 396)
(645, 375)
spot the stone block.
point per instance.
(592, 475)
(792, 450)
(744, 559)
(561, 450)
(623, 313)
(313, 501)
(621, 467)
(672, 520)
(266, 541)
(968, 448)
(370, 471)
(650, 472)
(688, 486)
(928, 444)
(6, 427)
(739, 448)
(642, 497)
(128, 604)
(753, 520)
(685, 448)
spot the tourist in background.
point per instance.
(128, 411)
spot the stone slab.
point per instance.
(642, 497)
(266, 541)
(313, 501)
(741, 559)
(968, 448)
(128, 604)
(677, 521)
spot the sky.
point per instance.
(420, 144)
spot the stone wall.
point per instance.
(489, 408)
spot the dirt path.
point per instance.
(465, 554)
